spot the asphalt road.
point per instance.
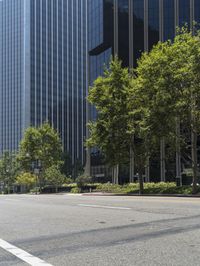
(97, 230)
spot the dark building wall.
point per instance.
(133, 26)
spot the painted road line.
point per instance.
(104, 207)
(23, 255)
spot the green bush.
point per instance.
(159, 188)
(149, 188)
(82, 181)
(68, 180)
(27, 179)
(133, 188)
(75, 190)
(109, 188)
(53, 176)
(35, 190)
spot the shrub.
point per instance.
(54, 177)
(75, 190)
(35, 190)
(68, 180)
(110, 188)
(149, 188)
(27, 179)
(82, 181)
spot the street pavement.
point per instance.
(94, 230)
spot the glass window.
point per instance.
(123, 34)
(153, 19)
(168, 19)
(138, 29)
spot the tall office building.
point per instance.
(43, 70)
(129, 27)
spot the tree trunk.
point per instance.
(147, 170)
(141, 183)
(56, 189)
(87, 169)
(178, 153)
(194, 143)
(194, 159)
(39, 183)
(131, 170)
(162, 160)
(115, 174)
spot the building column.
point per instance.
(176, 14)
(132, 161)
(116, 46)
(161, 23)
(146, 26)
(192, 16)
(87, 168)
(131, 55)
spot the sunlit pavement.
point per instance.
(99, 230)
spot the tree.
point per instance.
(109, 132)
(26, 179)
(156, 101)
(189, 56)
(41, 146)
(168, 81)
(9, 168)
(54, 177)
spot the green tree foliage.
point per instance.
(54, 177)
(40, 144)
(9, 168)
(27, 179)
(168, 81)
(109, 132)
(189, 56)
(153, 104)
(141, 109)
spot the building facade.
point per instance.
(129, 27)
(43, 70)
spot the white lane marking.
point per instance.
(104, 207)
(23, 255)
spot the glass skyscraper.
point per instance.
(43, 70)
(129, 27)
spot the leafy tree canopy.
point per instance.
(110, 131)
(40, 144)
